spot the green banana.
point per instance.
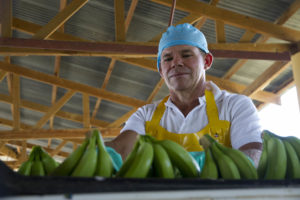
(68, 165)
(88, 162)
(210, 169)
(277, 158)
(48, 162)
(293, 163)
(227, 167)
(37, 168)
(105, 166)
(25, 167)
(262, 165)
(142, 161)
(246, 168)
(162, 163)
(128, 162)
(295, 142)
(181, 158)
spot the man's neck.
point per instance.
(187, 100)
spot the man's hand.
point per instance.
(253, 150)
(123, 143)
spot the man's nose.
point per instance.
(177, 61)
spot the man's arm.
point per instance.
(123, 143)
(253, 150)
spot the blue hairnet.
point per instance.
(182, 34)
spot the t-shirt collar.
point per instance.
(210, 86)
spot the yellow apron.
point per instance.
(219, 129)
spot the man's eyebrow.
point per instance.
(186, 51)
(167, 55)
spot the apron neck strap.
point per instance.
(211, 109)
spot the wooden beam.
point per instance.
(55, 133)
(192, 18)
(54, 87)
(230, 86)
(220, 32)
(105, 47)
(2, 75)
(57, 106)
(145, 48)
(29, 146)
(7, 51)
(58, 148)
(41, 108)
(59, 19)
(64, 83)
(8, 151)
(265, 78)
(9, 123)
(119, 20)
(31, 28)
(248, 36)
(292, 9)
(63, 4)
(130, 14)
(16, 101)
(237, 65)
(202, 20)
(235, 19)
(104, 84)
(121, 120)
(86, 110)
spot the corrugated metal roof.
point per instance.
(95, 21)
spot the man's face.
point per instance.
(183, 67)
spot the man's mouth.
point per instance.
(177, 75)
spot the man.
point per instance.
(195, 106)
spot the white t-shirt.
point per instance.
(238, 109)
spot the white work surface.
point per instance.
(213, 194)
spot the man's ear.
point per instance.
(208, 61)
(159, 70)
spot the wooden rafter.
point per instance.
(119, 20)
(60, 19)
(113, 60)
(248, 36)
(64, 83)
(57, 133)
(58, 148)
(265, 78)
(63, 4)
(220, 31)
(235, 19)
(43, 109)
(52, 110)
(202, 20)
(16, 101)
(86, 110)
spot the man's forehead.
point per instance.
(181, 48)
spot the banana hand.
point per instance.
(162, 163)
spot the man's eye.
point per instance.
(186, 55)
(168, 59)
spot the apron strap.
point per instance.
(211, 107)
(159, 111)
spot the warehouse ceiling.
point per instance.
(67, 66)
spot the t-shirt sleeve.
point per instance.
(245, 123)
(136, 121)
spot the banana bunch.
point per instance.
(39, 163)
(280, 158)
(224, 162)
(154, 158)
(88, 160)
